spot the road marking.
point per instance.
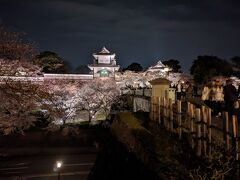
(20, 164)
(13, 172)
(79, 164)
(15, 168)
(17, 164)
(55, 174)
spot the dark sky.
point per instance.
(142, 31)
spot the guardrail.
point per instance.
(138, 92)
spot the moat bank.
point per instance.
(116, 162)
(129, 150)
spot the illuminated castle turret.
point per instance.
(104, 64)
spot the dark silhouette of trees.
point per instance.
(206, 67)
(136, 67)
(236, 61)
(236, 66)
(51, 62)
(173, 64)
(82, 69)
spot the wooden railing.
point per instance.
(197, 123)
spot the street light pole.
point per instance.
(59, 174)
(57, 168)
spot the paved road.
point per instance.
(39, 167)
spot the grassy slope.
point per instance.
(153, 145)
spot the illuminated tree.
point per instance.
(14, 46)
(18, 101)
(59, 101)
(65, 98)
(98, 94)
(18, 96)
(18, 68)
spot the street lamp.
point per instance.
(166, 70)
(57, 168)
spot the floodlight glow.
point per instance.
(59, 164)
(166, 69)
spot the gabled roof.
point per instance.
(158, 65)
(104, 51)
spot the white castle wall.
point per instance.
(40, 79)
(68, 76)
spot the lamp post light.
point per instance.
(166, 70)
(57, 168)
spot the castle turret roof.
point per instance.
(104, 51)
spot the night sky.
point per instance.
(142, 31)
